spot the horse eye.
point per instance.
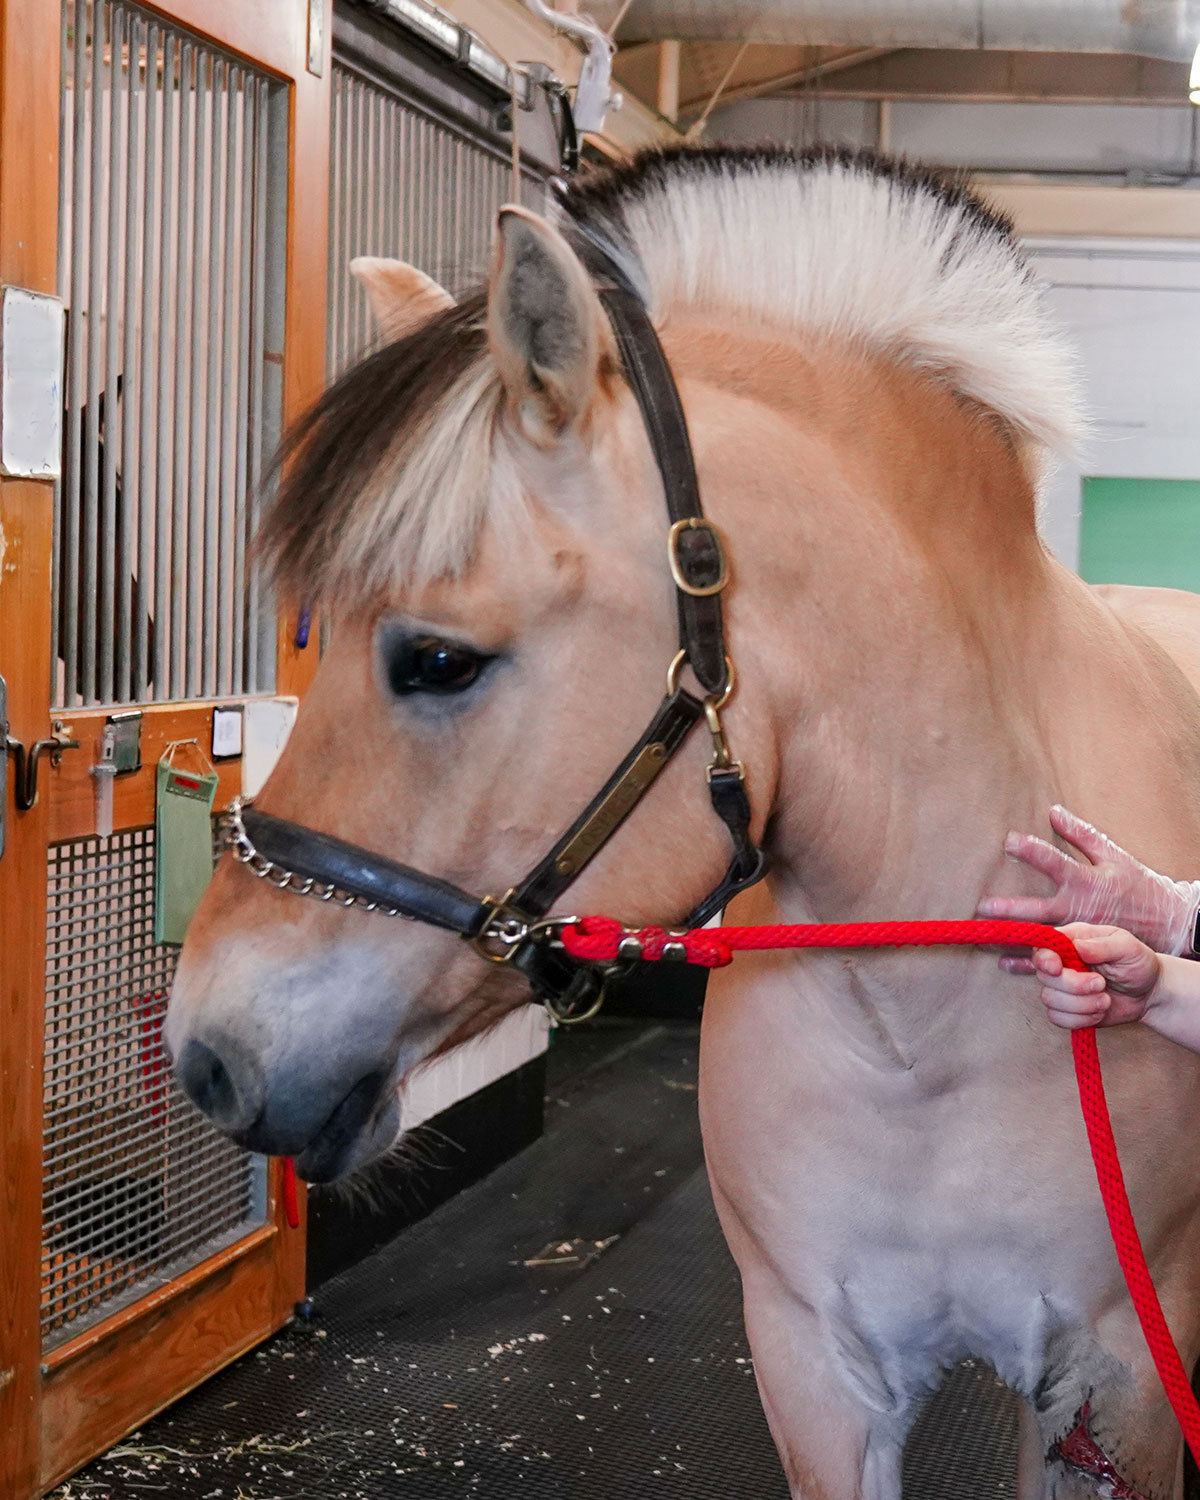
(427, 664)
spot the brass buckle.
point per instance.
(682, 582)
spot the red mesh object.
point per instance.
(291, 1203)
(598, 938)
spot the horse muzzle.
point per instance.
(279, 1117)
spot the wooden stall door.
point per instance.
(164, 172)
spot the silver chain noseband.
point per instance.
(242, 847)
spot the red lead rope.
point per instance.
(597, 939)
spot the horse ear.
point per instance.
(401, 297)
(546, 326)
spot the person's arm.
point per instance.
(1107, 885)
(1129, 982)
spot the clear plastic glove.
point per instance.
(1109, 887)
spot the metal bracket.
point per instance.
(26, 762)
(122, 741)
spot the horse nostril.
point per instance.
(231, 1097)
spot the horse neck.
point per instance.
(891, 589)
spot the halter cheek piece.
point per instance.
(513, 928)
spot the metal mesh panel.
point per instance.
(137, 1185)
(402, 184)
(173, 164)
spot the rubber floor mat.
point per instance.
(569, 1327)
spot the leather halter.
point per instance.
(513, 928)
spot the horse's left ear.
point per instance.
(546, 326)
(401, 297)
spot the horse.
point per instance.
(874, 389)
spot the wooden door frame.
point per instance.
(55, 1415)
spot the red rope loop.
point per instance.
(598, 939)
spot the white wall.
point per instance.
(1133, 309)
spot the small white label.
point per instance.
(227, 731)
(31, 389)
(316, 37)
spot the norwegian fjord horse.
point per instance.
(893, 1138)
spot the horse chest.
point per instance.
(896, 1315)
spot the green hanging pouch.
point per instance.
(183, 842)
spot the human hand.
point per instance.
(1118, 989)
(1111, 886)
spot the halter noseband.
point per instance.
(514, 928)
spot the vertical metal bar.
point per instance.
(370, 164)
(403, 183)
(168, 304)
(469, 214)
(66, 139)
(130, 500)
(152, 367)
(275, 282)
(91, 452)
(474, 208)
(353, 241)
(395, 187)
(113, 375)
(424, 197)
(346, 291)
(441, 199)
(333, 307)
(258, 369)
(214, 404)
(362, 321)
(230, 333)
(242, 414)
(201, 276)
(379, 185)
(459, 279)
(72, 484)
(185, 271)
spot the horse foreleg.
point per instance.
(1033, 1479)
(827, 1439)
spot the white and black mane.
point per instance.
(392, 475)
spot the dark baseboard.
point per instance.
(347, 1221)
(665, 992)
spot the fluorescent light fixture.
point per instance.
(1194, 80)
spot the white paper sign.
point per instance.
(267, 724)
(31, 391)
(227, 732)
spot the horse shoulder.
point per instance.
(1170, 617)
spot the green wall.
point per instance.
(1141, 531)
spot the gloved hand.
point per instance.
(1112, 887)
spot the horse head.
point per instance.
(475, 505)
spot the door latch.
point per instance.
(26, 762)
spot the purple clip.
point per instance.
(303, 626)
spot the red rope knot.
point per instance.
(593, 939)
(599, 939)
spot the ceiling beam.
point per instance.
(1010, 77)
(797, 79)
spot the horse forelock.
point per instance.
(391, 478)
(388, 480)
